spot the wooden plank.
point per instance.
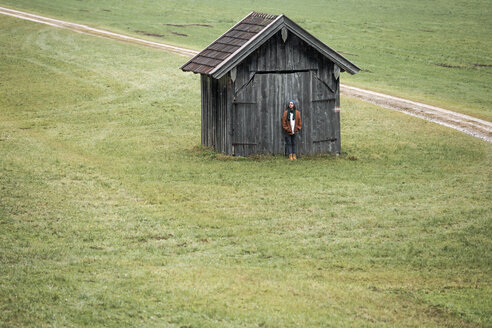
(273, 54)
(243, 117)
(278, 110)
(253, 63)
(264, 92)
(229, 126)
(214, 112)
(252, 127)
(338, 144)
(203, 109)
(223, 123)
(234, 124)
(260, 59)
(302, 83)
(275, 51)
(280, 53)
(313, 58)
(209, 109)
(307, 114)
(289, 62)
(211, 116)
(223, 107)
(207, 112)
(298, 63)
(219, 118)
(268, 55)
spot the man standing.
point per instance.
(291, 123)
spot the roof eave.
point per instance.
(189, 61)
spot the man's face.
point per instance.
(291, 105)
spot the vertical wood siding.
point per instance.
(205, 128)
(244, 117)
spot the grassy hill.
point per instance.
(111, 214)
(437, 52)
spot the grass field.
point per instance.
(111, 214)
(438, 52)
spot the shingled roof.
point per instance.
(246, 36)
(228, 43)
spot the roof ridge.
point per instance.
(263, 15)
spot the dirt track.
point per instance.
(473, 126)
(94, 31)
(464, 123)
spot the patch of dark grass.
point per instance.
(482, 65)
(180, 34)
(448, 66)
(149, 33)
(186, 25)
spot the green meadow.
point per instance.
(438, 52)
(112, 214)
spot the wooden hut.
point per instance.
(248, 76)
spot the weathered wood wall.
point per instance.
(216, 113)
(243, 117)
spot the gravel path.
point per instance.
(473, 126)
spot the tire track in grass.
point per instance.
(94, 31)
(470, 125)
